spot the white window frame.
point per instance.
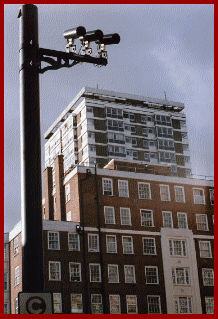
(52, 241)
(117, 304)
(77, 242)
(111, 219)
(96, 307)
(91, 248)
(149, 304)
(91, 269)
(156, 276)
(69, 216)
(78, 272)
(165, 196)
(16, 245)
(202, 224)
(16, 276)
(59, 270)
(183, 247)
(80, 303)
(185, 275)
(124, 244)
(58, 296)
(16, 308)
(126, 275)
(6, 308)
(180, 198)
(147, 220)
(125, 220)
(206, 278)
(209, 304)
(123, 190)
(110, 274)
(67, 192)
(131, 304)
(149, 238)
(179, 221)
(109, 189)
(141, 193)
(177, 305)
(167, 221)
(201, 242)
(211, 191)
(115, 244)
(199, 199)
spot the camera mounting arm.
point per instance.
(63, 59)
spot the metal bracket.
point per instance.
(46, 55)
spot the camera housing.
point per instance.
(74, 33)
(110, 39)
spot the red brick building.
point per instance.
(124, 239)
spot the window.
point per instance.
(145, 144)
(201, 221)
(67, 192)
(179, 194)
(135, 155)
(151, 275)
(154, 304)
(143, 119)
(53, 240)
(5, 282)
(147, 218)
(73, 242)
(16, 305)
(96, 304)
(114, 112)
(180, 276)
(69, 217)
(111, 244)
(107, 186)
(6, 308)
(95, 272)
(125, 216)
(211, 196)
(147, 157)
(93, 242)
(54, 270)
(75, 272)
(177, 247)
(127, 244)
(167, 219)
(76, 303)
(115, 125)
(166, 145)
(209, 302)
(129, 271)
(163, 120)
(113, 274)
(165, 193)
(183, 305)
(208, 277)
(16, 276)
(5, 253)
(131, 304)
(144, 131)
(182, 220)
(114, 304)
(57, 302)
(164, 132)
(149, 246)
(198, 196)
(205, 249)
(133, 129)
(144, 190)
(166, 157)
(132, 116)
(109, 215)
(16, 246)
(123, 188)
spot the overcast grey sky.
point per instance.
(163, 48)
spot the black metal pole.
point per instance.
(31, 196)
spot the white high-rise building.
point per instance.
(100, 125)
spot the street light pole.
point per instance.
(31, 58)
(31, 184)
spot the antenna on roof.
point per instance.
(97, 86)
(165, 95)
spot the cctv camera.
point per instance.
(110, 39)
(74, 33)
(96, 35)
